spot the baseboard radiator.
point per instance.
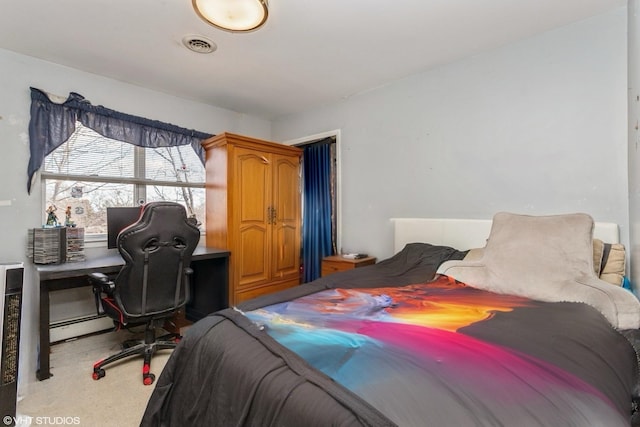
(74, 328)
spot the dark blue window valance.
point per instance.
(52, 124)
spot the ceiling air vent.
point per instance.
(199, 44)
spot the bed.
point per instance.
(478, 323)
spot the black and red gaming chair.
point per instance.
(153, 283)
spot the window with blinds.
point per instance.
(89, 173)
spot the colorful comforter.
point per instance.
(405, 350)
(344, 351)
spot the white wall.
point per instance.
(634, 135)
(26, 211)
(536, 127)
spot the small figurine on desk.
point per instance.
(67, 218)
(52, 219)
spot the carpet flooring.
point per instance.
(118, 399)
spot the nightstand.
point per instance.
(335, 263)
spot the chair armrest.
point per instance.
(98, 278)
(101, 284)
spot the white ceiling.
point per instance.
(309, 53)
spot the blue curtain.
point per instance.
(316, 222)
(52, 124)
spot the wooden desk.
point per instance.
(208, 286)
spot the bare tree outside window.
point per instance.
(89, 173)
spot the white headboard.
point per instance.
(466, 234)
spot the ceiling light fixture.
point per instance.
(237, 16)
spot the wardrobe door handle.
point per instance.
(271, 215)
(264, 160)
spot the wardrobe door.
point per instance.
(286, 218)
(252, 192)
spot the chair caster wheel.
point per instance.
(97, 374)
(148, 379)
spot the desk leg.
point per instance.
(42, 372)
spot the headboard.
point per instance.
(466, 234)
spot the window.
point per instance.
(90, 172)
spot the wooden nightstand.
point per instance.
(335, 263)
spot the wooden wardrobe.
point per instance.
(253, 210)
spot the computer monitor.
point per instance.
(118, 218)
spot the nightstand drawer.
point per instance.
(336, 263)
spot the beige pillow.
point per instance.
(534, 255)
(614, 268)
(612, 271)
(598, 249)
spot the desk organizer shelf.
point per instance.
(56, 245)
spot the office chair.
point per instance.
(153, 283)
